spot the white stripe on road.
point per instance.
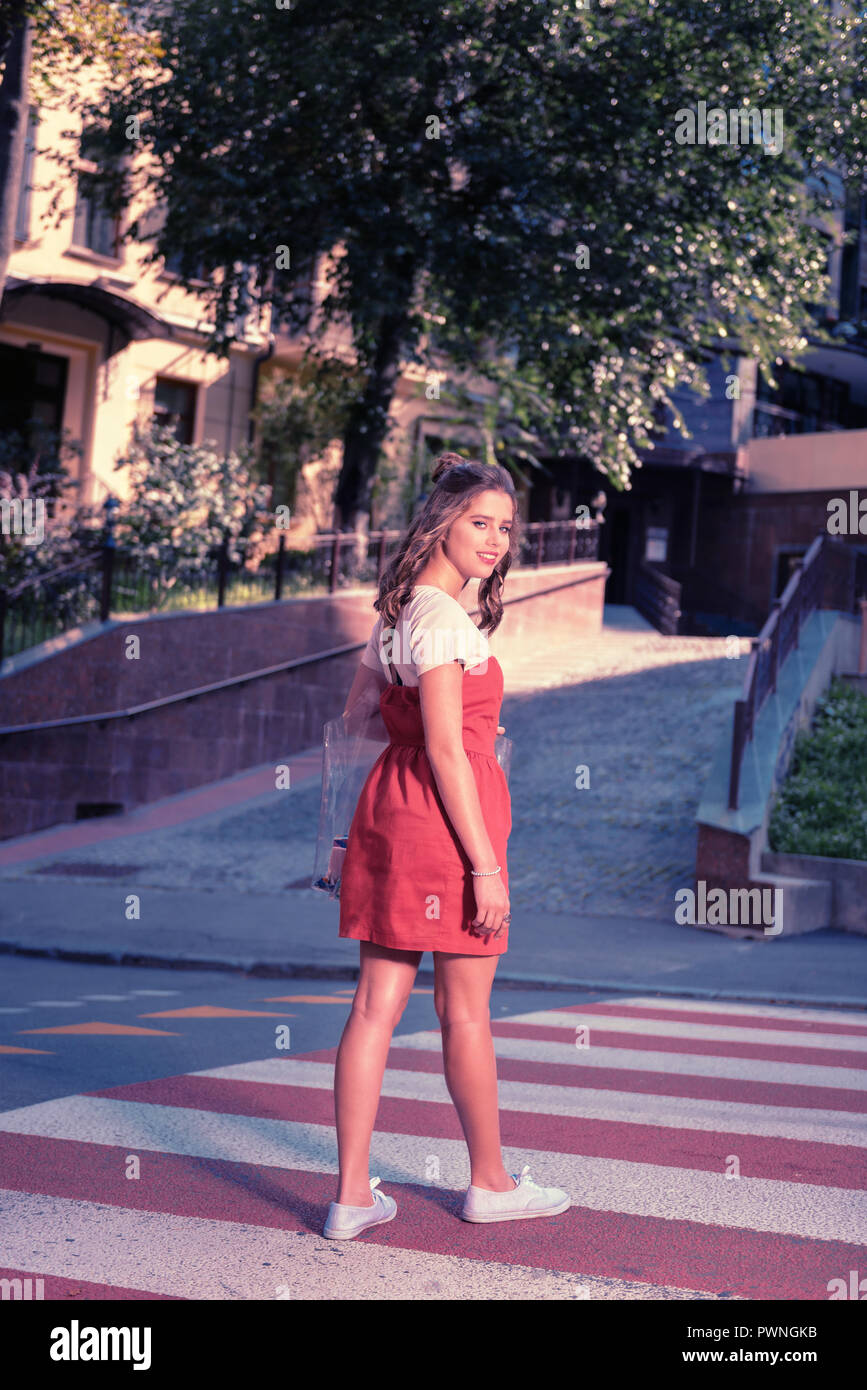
(679, 1063)
(55, 1003)
(676, 1112)
(603, 1184)
(160, 992)
(716, 1006)
(706, 1032)
(191, 1257)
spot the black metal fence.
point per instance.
(50, 603)
(106, 581)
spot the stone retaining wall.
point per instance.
(57, 775)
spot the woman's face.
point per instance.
(479, 538)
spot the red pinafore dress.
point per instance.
(406, 879)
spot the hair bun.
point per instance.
(444, 462)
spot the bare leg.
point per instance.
(384, 986)
(462, 997)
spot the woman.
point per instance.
(425, 863)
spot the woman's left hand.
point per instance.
(500, 729)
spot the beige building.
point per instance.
(91, 339)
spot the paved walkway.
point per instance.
(641, 712)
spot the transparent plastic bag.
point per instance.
(351, 746)
(503, 752)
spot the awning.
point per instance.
(132, 319)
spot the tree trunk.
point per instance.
(12, 16)
(14, 94)
(366, 430)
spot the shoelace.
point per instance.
(374, 1183)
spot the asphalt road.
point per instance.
(711, 1151)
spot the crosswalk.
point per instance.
(710, 1151)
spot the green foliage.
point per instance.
(822, 806)
(308, 128)
(35, 470)
(297, 418)
(504, 416)
(71, 35)
(60, 584)
(184, 499)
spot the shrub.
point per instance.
(821, 807)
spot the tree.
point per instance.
(16, 47)
(506, 183)
(297, 418)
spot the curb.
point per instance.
(305, 970)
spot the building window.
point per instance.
(172, 264)
(94, 228)
(804, 403)
(175, 407)
(656, 544)
(290, 316)
(22, 219)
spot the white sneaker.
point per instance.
(517, 1204)
(345, 1222)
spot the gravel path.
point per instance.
(642, 712)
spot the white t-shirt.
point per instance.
(431, 630)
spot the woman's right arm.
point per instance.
(441, 702)
(366, 687)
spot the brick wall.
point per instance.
(179, 651)
(739, 541)
(46, 775)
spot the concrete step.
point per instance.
(848, 879)
(807, 906)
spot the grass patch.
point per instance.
(821, 807)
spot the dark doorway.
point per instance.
(616, 528)
(32, 395)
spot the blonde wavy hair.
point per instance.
(456, 481)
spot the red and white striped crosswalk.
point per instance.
(710, 1150)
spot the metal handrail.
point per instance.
(658, 598)
(780, 635)
(194, 692)
(181, 695)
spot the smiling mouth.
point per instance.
(488, 559)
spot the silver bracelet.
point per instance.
(484, 873)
